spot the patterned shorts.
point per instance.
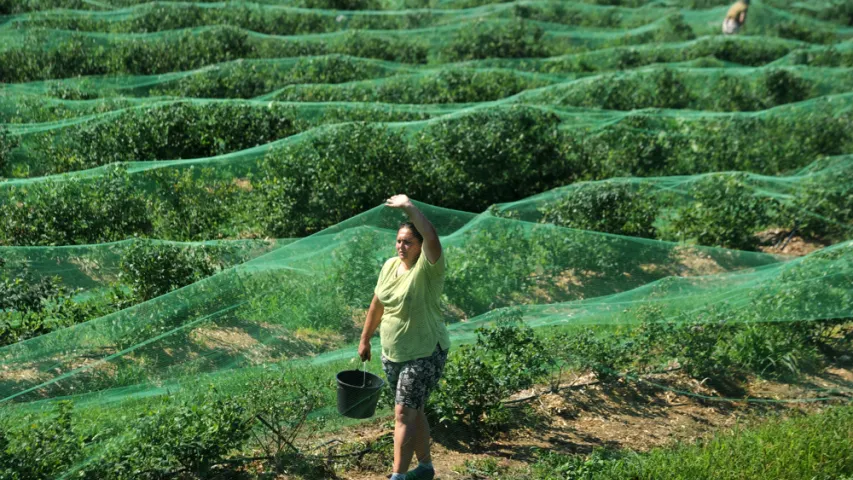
(414, 380)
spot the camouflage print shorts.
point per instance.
(414, 380)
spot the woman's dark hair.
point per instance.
(415, 232)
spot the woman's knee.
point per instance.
(405, 415)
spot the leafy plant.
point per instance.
(771, 351)
(154, 269)
(492, 265)
(173, 131)
(781, 86)
(188, 436)
(557, 466)
(600, 350)
(74, 211)
(281, 409)
(44, 448)
(516, 39)
(357, 267)
(484, 158)
(824, 207)
(505, 358)
(723, 212)
(618, 208)
(7, 144)
(308, 186)
(194, 203)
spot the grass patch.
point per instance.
(816, 446)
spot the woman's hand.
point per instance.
(398, 201)
(364, 351)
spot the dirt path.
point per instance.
(623, 415)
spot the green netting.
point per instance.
(229, 328)
(190, 234)
(295, 287)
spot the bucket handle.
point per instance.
(364, 377)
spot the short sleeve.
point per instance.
(435, 270)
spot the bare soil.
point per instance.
(774, 241)
(661, 410)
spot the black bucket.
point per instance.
(358, 392)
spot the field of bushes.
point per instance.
(192, 227)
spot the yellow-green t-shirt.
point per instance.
(412, 324)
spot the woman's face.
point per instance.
(408, 246)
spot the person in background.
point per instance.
(736, 17)
(406, 305)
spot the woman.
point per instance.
(735, 17)
(413, 335)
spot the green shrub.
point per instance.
(41, 56)
(159, 54)
(7, 144)
(190, 435)
(732, 94)
(486, 467)
(175, 131)
(257, 18)
(282, 408)
(665, 89)
(25, 291)
(302, 301)
(827, 56)
(573, 15)
(750, 52)
(793, 298)
(828, 202)
(506, 358)
(516, 39)
(779, 87)
(742, 50)
(456, 85)
(840, 12)
(356, 266)
(340, 4)
(698, 344)
(644, 146)
(557, 466)
(771, 351)
(74, 211)
(32, 305)
(810, 34)
(154, 269)
(618, 208)
(605, 352)
(328, 178)
(490, 269)
(359, 44)
(723, 211)
(674, 29)
(251, 79)
(195, 203)
(8, 7)
(483, 158)
(42, 448)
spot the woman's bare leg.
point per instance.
(405, 436)
(422, 438)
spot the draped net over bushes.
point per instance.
(292, 307)
(190, 232)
